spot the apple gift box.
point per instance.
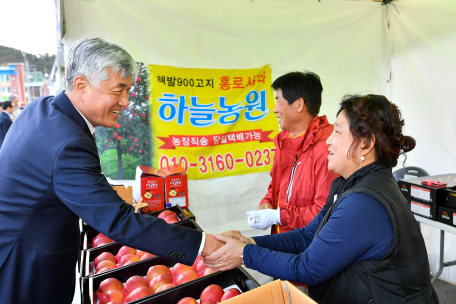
(238, 276)
(88, 256)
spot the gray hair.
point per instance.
(92, 57)
(11, 97)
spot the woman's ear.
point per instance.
(367, 145)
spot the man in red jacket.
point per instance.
(300, 176)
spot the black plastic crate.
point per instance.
(238, 276)
(89, 255)
(87, 236)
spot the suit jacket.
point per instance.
(5, 124)
(50, 177)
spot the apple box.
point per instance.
(176, 189)
(126, 193)
(149, 184)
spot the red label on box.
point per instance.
(176, 190)
(152, 190)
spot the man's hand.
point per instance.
(235, 234)
(211, 245)
(227, 257)
(265, 206)
(263, 219)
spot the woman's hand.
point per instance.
(235, 234)
(228, 256)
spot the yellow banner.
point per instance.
(214, 122)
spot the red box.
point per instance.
(150, 185)
(176, 189)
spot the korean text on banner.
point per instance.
(214, 122)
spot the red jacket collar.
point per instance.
(318, 129)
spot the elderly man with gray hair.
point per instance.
(16, 110)
(51, 176)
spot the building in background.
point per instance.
(5, 81)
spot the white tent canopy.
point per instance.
(348, 43)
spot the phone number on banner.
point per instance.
(219, 162)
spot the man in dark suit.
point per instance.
(5, 120)
(51, 176)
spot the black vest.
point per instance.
(402, 276)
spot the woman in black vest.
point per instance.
(365, 245)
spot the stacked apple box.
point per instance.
(176, 188)
(156, 287)
(447, 207)
(425, 199)
(150, 185)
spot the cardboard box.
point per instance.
(176, 188)
(237, 276)
(149, 184)
(126, 193)
(276, 292)
(447, 215)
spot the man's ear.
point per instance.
(80, 86)
(300, 105)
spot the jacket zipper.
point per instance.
(290, 185)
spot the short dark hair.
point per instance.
(305, 85)
(7, 104)
(1, 104)
(374, 116)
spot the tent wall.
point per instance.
(346, 42)
(423, 86)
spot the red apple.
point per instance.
(179, 268)
(110, 284)
(187, 300)
(165, 213)
(171, 219)
(230, 293)
(208, 271)
(129, 263)
(207, 302)
(212, 293)
(98, 236)
(105, 269)
(123, 251)
(200, 266)
(197, 260)
(128, 257)
(164, 287)
(187, 276)
(104, 264)
(103, 257)
(135, 282)
(118, 302)
(156, 271)
(139, 293)
(160, 280)
(147, 256)
(101, 241)
(140, 253)
(113, 295)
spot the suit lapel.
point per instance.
(67, 108)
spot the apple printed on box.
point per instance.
(176, 189)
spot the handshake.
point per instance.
(223, 251)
